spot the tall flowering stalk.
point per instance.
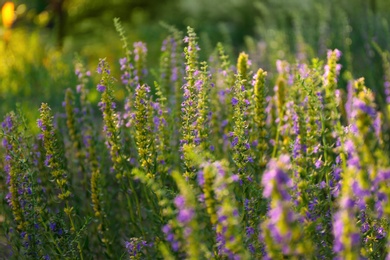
(386, 73)
(345, 230)
(110, 118)
(202, 121)
(55, 163)
(363, 136)
(260, 116)
(9, 128)
(86, 144)
(24, 198)
(243, 67)
(125, 62)
(171, 63)
(75, 133)
(280, 100)
(281, 86)
(240, 142)
(144, 142)
(221, 123)
(186, 207)
(282, 232)
(113, 138)
(229, 238)
(161, 131)
(189, 105)
(140, 70)
(331, 112)
(166, 213)
(172, 80)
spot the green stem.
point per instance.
(276, 139)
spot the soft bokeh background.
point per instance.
(38, 51)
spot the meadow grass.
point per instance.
(212, 160)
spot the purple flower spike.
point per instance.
(101, 88)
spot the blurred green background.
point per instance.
(37, 53)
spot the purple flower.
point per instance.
(380, 233)
(52, 226)
(235, 177)
(40, 125)
(336, 52)
(134, 246)
(234, 101)
(365, 227)
(123, 63)
(179, 201)
(201, 180)
(363, 107)
(185, 215)
(47, 160)
(383, 175)
(7, 124)
(198, 84)
(319, 164)
(338, 227)
(235, 141)
(249, 231)
(276, 179)
(101, 88)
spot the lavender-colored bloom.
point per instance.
(123, 63)
(338, 227)
(139, 47)
(174, 75)
(359, 105)
(383, 175)
(101, 88)
(134, 246)
(179, 201)
(99, 70)
(365, 227)
(297, 148)
(276, 215)
(295, 119)
(170, 237)
(359, 191)
(198, 84)
(200, 177)
(235, 141)
(234, 101)
(381, 233)
(47, 160)
(185, 215)
(52, 226)
(377, 126)
(40, 125)
(276, 178)
(249, 231)
(319, 164)
(235, 177)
